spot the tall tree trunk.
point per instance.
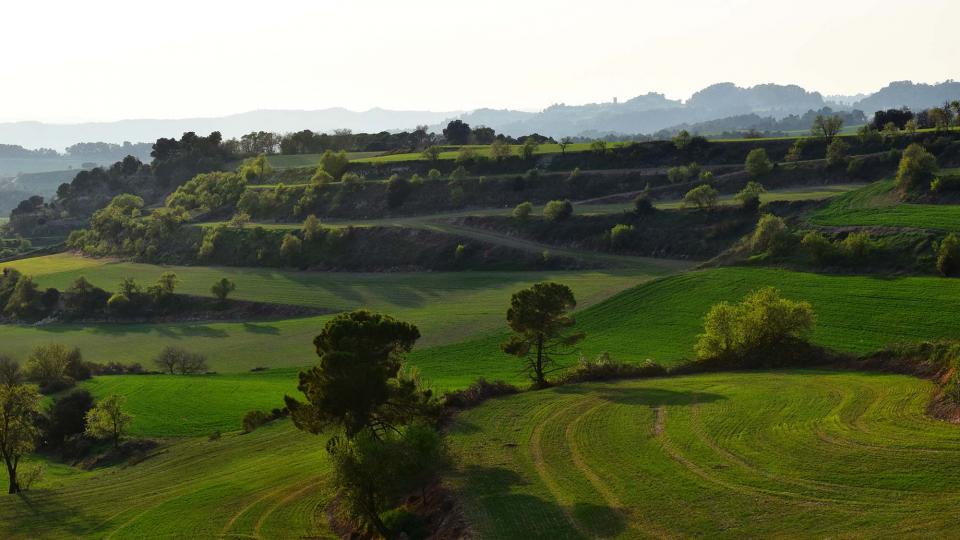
(539, 369)
(12, 473)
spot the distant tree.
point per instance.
(10, 374)
(222, 289)
(760, 329)
(857, 245)
(682, 140)
(398, 189)
(255, 168)
(49, 364)
(796, 151)
(108, 420)
(620, 235)
(948, 255)
(911, 126)
(500, 150)
(642, 205)
(290, 248)
(564, 143)
(312, 229)
(432, 153)
(826, 127)
(837, 153)
(359, 384)
(558, 210)
(334, 163)
(466, 156)
(321, 177)
(19, 405)
(176, 360)
(528, 148)
(457, 132)
(542, 327)
(24, 302)
(703, 197)
(483, 135)
(239, 221)
(598, 147)
(83, 298)
(522, 211)
(770, 235)
(434, 174)
(917, 167)
(758, 164)
(749, 196)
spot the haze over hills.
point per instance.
(646, 113)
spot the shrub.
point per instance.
(522, 211)
(83, 298)
(52, 366)
(460, 253)
(770, 235)
(290, 248)
(254, 419)
(857, 245)
(605, 368)
(820, 247)
(948, 255)
(703, 197)
(916, 169)
(397, 191)
(757, 163)
(796, 151)
(222, 288)
(837, 152)
(621, 235)
(434, 174)
(334, 164)
(478, 392)
(67, 416)
(642, 205)
(749, 196)
(558, 210)
(763, 329)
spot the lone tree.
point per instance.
(500, 150)
(19, 404)
(917, 167)
(358, 383)
(457, 132)
(542, 327)
(704, 197)
(175, 360)
(758, 164)
(826, 127)
(108, 420)
(222, 289)
(749, 196)
(431, 152)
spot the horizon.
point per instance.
(210, 66)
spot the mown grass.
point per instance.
(272, 483)
(877, 205)
(447, 307)
(278, 161)
(742, 455)
(481, 150)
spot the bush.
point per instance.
(434, 174)
(604, 368)
(478, 392)
(254, 419)
(820, 248)
(770, 235)
(757, 163)
(857, 246)
(749, 196)
(763, 329)
(703, 197)
(522, 211)
(837, 153)
(621, 235)
(67, 416)
(916, 168)
(642, 205)
(558, 210)
(948, 255)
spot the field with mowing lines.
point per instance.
(271, 483)
(447, 307)
(877, 206)
(770, 454)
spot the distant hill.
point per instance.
(646, 113)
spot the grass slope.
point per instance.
(786, 454)
(877, 205)
(272, 483)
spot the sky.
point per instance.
(102, 60)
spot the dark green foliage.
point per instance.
(358, 384)
(397, 191)
(82, 298)
(704, 197)
(66, 416)
(770, 236)
(820, 248)
(177, 161)
(522, 211)
(948, 255)
(542, 328)
(916, 169)
(25, 301)
(478, 392)
(558, 210)
(642, 205)
(605, 368)
(837, 153)
(222, 289)
(254, 419)
(209, 191)
(10, 373)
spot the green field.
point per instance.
(657, 320)
(278, 161)
(481, 150)
(876, 205)
(271, 483)
(746, 455)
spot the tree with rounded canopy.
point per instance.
(948, 255)
(222, 289)
(108, 420)
(334, 164)
(542, 327)
(522, 211)
(757, 163)
(916, 169)
(359, 384)
(500, 150)
(749, 196)
(457, 132)
(19, 404)
(704, 197)
(826, 127)
(432, 153)
(558, 210)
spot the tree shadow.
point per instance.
(515, 512)
(43, 510)
(261, 329)
(653, 397)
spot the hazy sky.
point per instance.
(112, 59)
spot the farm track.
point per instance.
(727, 455)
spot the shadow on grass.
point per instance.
(653, 397)
(513, 514)
(261, 329)
(43, 512)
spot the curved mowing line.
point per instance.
(536, 449)
(608, 495)
(312, 483)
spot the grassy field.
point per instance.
(272, 483)
(481, 150)
(877, 205)
(744, 455)
(310, 160)
(447, 306)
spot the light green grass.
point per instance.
(877, 205)
(447, 307)
(805, 193)
(272, 483)
(744, 455)
(309, 160)
(481, 150)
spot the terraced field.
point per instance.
(267, 484)
(310, 160)
(784, 454)
(877, 206)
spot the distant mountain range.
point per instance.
(643, 114)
